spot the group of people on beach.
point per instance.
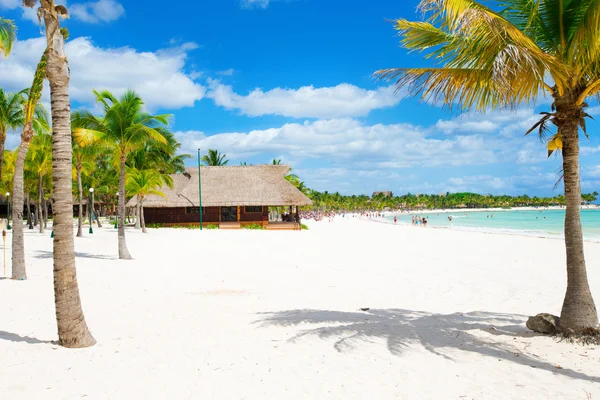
(419, 221)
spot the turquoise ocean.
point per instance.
(545, 223)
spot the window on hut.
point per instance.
(253, 209)
(194, 210)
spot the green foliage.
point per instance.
(212, 226)
(215, 159)
(257, 227)
(8, 35)
(337, 202)
(304, 227)
(154, 225)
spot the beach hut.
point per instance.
(231, 197)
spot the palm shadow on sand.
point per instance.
(42, 254)
(13, 337)
(435, 332)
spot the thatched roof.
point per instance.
(255, 185)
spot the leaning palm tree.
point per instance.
(11, 116)
(72, 329)
(488, 59)
(35, 119)
(215, 159)
(144, 182)
(8, 34)
(126, 127)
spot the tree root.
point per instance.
(585, 337)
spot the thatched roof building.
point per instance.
(255, 185)
(247, 191)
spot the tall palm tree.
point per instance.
(126, 127)
(11, 116)
(144, 182)
(215, 159)
(35, 119)
(489, 59)
(8, 34)
(72, 328)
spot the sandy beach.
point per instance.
(276, 315)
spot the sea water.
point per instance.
(538, 222)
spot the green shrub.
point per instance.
(304, 227)
(212, 226)
(154, 225)
(253, 227)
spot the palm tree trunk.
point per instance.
(123, 251)
(45, 214)
(2, 140)
(72, 328)
(40, 212)
(29, 219)
(19, 271)
(80, 199)
(143, 222)
(137, 213)
(98, 216)
(578, 310)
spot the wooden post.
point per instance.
(238, 213)
(298, 218)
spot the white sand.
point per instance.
(274, 315)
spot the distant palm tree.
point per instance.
(11, 116)
(276, 161)
(126, 127)
(35, 120)
(8, 34)
(215, 159)
(39, 162)
(142, 183)
(490, 59)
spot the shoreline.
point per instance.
(492, 209)
(485, 230)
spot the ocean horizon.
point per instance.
(536, 222)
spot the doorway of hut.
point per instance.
(228, 214)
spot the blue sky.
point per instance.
(291, 79)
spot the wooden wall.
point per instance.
(211, 215)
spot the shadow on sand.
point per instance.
(435, 332)
(13, 337)
(48, 254)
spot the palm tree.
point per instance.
(35, 119)
(144, 182)
(126, 127)
(492, 59)
(72, 329)
(39, 162)
(11, 116)
(215, 159)
(83, 162)
(8, 34)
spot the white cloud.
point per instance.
(10, 4)
(343, 100)
(227, 72)
(350, 142)
(159, 77)
(98, 11)
(255, 3)
(508, 123)
(587, 150)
